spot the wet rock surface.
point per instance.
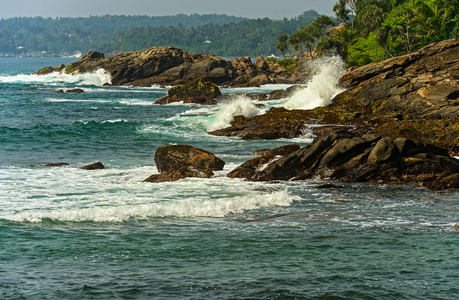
(267, 156)
(205, 93)
(94, 166)
(176, 162)
(349, 157)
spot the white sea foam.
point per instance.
(188, 207)
(322, 87)
(71, 194)
(99, 77)
(239, 105)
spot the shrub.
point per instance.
(288, 64)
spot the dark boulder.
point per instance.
(74, 91)
(349, 157)
(45, 71)
(176, 162)
(94, 166)
(180, 173)
(57, 164)
(198, 92)
(249, 168)
(282, 150)
(176, 156)
(384, 151)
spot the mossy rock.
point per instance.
(45, 71)
(198, 92)
(195, 89)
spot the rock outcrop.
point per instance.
(249, 168)
(176, 162)
(350, 157)
(422, 84)
(415, 96)
(205, 93)
(172, 66)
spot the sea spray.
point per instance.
(239, 105)
(98, 78)
(322, 87)
(214, 118)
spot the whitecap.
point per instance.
(114, 195)
(237, 106)
(98, 77)
(322, 87)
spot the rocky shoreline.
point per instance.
(415, 96)
(168, 66)
(401, 115)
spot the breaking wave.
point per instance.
(98, 78)
(239, 105)
(322, 87)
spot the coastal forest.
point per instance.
(374, 30)
(214, 34)
(368, 31)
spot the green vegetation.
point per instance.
(69, 35)
(376, 29)
(287, 63)
(248, 37)
(214, 34)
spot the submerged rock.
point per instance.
(57, 164)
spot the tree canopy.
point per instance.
(377, 29)
(216, 34)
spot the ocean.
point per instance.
(68, 233)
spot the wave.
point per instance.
(239, 105)
(223, 115)
(110, 196)
(98, 78)
(322, 87)
(184, 208)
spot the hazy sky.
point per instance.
(84, 8)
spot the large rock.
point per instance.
(275, 124)
(176, 156)
(172, 66)
(176, 162)
(198, 92)
(349, 157)
(180, 173)
(94, 166)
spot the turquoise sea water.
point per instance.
(66, 233)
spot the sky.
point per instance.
(85, 8)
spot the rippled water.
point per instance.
(67, 233)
